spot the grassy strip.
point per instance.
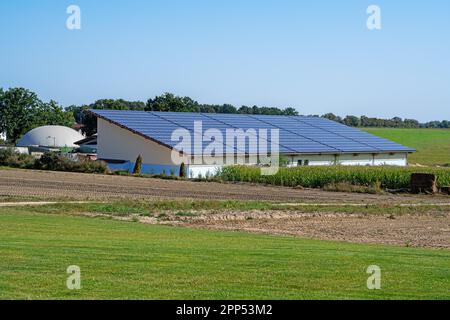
(320, 177)
(158, 208)
(7, 198)
(134, 261)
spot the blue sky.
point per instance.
(316, 56)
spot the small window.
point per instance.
(299, 163)
(306, 162)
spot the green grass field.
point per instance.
(433, 145)
(126, 260)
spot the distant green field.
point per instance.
(433, 145)
(126, 260)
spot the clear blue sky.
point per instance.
(316, 56)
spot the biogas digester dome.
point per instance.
(51, 136)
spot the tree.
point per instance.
(332, 117)
(228, 108)
(182, 170)
(290, 112)
(21, 110)
(52, 114)
(169, 102)
(352, 121)
(2, 92)
(89, 121)
(411, 123)
(18, 112)
(138, 166)
(245, 110)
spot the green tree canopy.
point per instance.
(17, 112)
(51, 113)
(21, 110)
(89, 121)
(169, 102)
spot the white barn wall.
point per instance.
(194, 171)
(116, 143)
(396, 159)
(314, 159)
(355, 160)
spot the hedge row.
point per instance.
(49, 161)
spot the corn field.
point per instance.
(319, 177)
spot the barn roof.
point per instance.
(297, 134)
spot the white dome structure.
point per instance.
(51, 136)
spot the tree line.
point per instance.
(395, 122)
(21, 110)
(167, 102)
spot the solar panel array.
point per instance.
(297, 134)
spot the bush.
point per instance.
(57, 162)
(88, 166)
(49, 161)
(319, 177)
(5, 155)
(11, 158)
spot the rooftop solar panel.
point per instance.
(297, 134)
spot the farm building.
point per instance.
(302, 141)
(50, 138)
(88, 145)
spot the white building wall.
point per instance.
(396, 159)
(313, 159)
(195, 171)
(355, 160)
(116, 143)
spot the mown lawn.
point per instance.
(432, 145)
(126, 260)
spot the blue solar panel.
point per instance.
(297, 134)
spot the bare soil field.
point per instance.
(50, 185)
(426, 229)
(430, 230)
